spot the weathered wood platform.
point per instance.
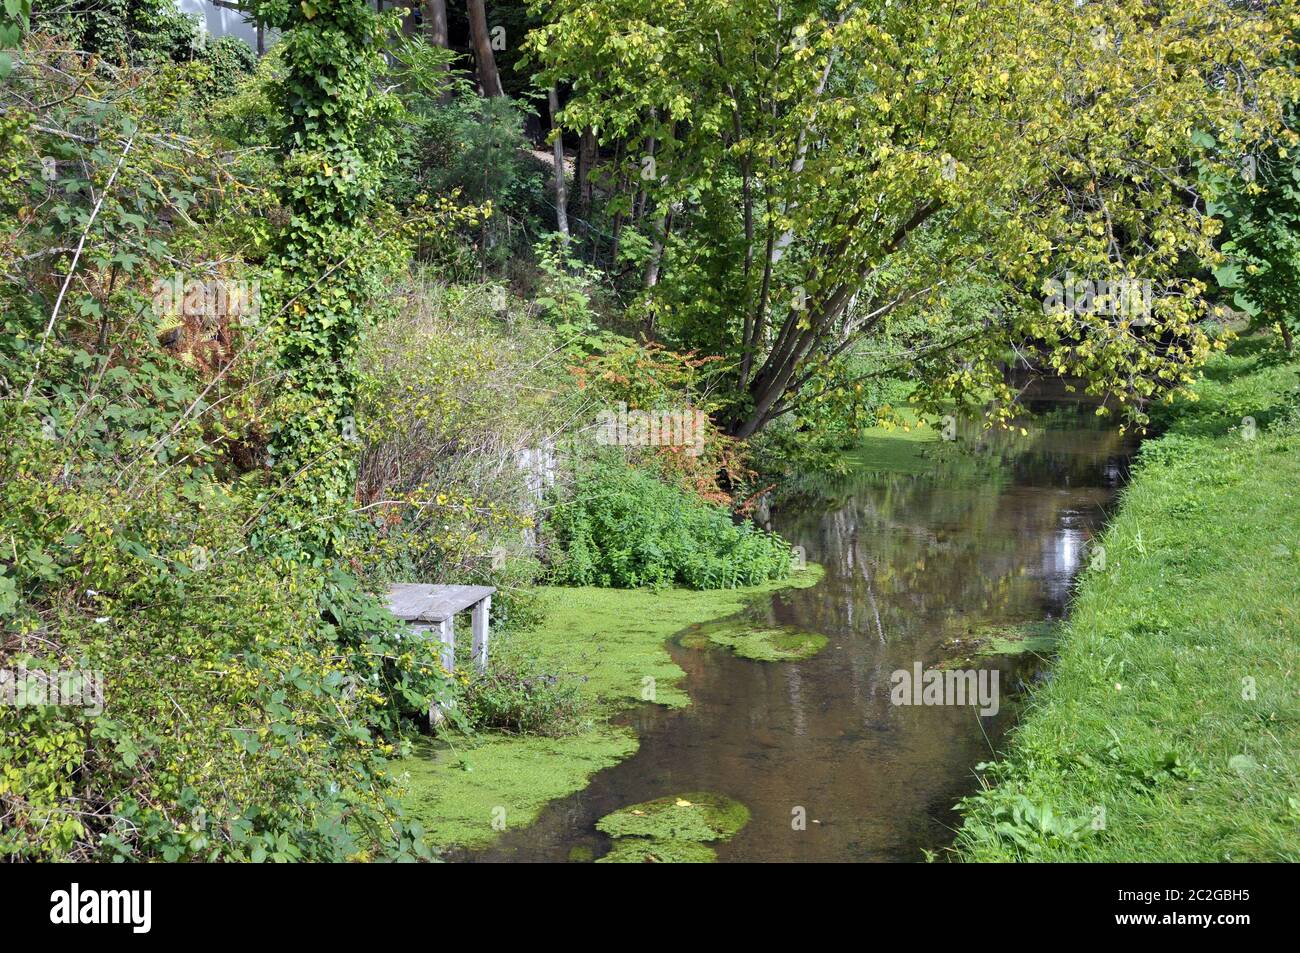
(428, 608)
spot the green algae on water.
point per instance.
(1036, 637)
(1024, 638)
(644, 850)
(467, 793)
(616, 642)
(673, 829)
(755, 640)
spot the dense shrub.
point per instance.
(475, 149)
(621, 527)
(516, 695)
(228, 59)
(124, 31)
(458, 387)
(247, 703)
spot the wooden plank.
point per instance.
(479, 624)
(417, 602)
(447, 636)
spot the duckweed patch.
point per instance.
(759, 641)
(640, 850)
(615, 642)
(457, 792)
(673, 829)
(1036, 637)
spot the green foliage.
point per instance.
(475, 149)
(619, 526)
(565, 296)
(518, 697)
(1261, 211)
(229, 59)
(330, 260)
(248, 703)
(456, 383)
(125, 31)
(15, 17)
(241, 718)
(808, 174)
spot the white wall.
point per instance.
(220, 21)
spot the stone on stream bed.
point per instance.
(673, 829)
(760, 641)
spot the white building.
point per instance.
(219, 18)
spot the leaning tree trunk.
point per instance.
(488, 77)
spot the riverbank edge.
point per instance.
(1169, 730)
(466, 792)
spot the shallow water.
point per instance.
(993, 532)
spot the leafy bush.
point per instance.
(228, 59)
(244, 716)
(457, 386)
(475, 149)
(620, 527)
(129, 31)
(517, 696)
(248, 702)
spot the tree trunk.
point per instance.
(488, 78)
(587, 151)
(435, 31)
(435, 22)
(561, 196)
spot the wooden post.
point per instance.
(479, 624)
(447, 636)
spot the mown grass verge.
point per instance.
(1170, 729)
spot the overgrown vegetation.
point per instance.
(278, 331)
(626, 529)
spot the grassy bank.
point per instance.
(614, 639)
(1170, 730)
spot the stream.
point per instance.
(989, 533)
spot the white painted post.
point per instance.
(479, 624)
(447, 636)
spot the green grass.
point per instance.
(1170, 730)
(899, 448)
(464, 791)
